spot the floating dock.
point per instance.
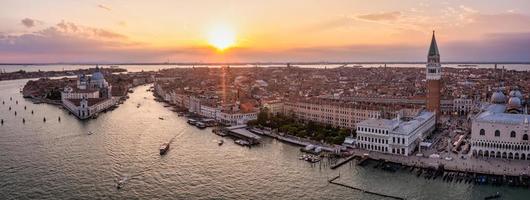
(331, 181)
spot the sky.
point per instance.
(39, 31)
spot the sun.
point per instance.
(221, 37)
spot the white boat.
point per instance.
(121, 182)
(220, 142)
(200, 125)
(192, 121)
(242, 142)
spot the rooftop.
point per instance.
(401, 127)
(495, 113)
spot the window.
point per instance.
(482, 132)
(497, 133)
(512, 134)
(525, 137)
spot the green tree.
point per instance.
(263, 117)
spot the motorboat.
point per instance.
(220, 142)
(495, 196)
(164, 148)
(200, 125)
(121, 182)
(242, 142)
(219, 132)
(192, 121)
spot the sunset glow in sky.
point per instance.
(262, 30)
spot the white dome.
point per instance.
(97, 76)
(514, 103)
(498, 98)
(516, 93)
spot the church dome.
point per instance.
(516, 93)
(498, 98)
(514, 103)
(97, 76)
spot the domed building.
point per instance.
(514, 105)
(501, 129)
(498, 98)
(91, 95)
(97, 80)
(516, 93)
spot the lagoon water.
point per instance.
(59, 160)
(155, 67)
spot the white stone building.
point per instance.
(502, 128)
(396, 136)
(90, 96)
(236, 118)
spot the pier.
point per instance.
(242, 133)
(332, 181)
(289, 139)
(348, 159)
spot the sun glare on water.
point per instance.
(221, 37)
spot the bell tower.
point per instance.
(434, 74)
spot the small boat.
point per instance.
(121, 182)
(161, 118)
(164, 148)
(495, 196)
(192, 121)
(138, 106)
(90, 133)
(242, 142)
(200, 125)
(220, 142)
(219, 132)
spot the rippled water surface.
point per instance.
(59, 160)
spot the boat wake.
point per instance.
(126, 177)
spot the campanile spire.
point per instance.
(433, 75)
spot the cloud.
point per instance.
(388, 16)
(28, 23)
(71, 42)
(104, 7)
(83, 31)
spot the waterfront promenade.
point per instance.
(494, 166)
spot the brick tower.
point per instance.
(434, 74)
